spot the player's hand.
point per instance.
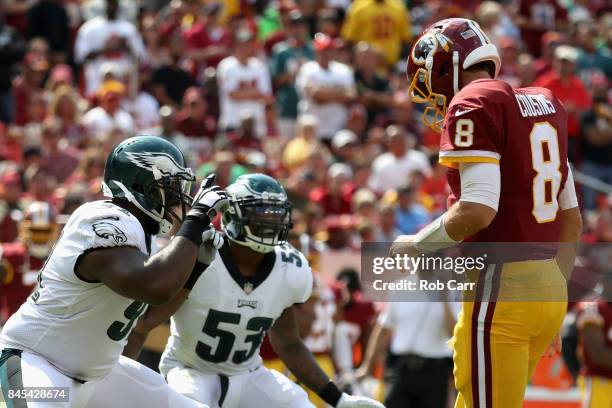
(212, 240)
(209, 201)
(403, 245)
(350, 401)
(554, 347)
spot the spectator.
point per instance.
(244, 84)
(286, 60)
(171, 80)
(325, 87)
(568, 87)
(373, 89)
(109, 116)
(152, 39)
(335, 196)
(525, 70)
(31, 80)
(193, 120)
(593, 56)
(344, 145)
(384, 24)
(299, 149)
(243, 140)
(208, 41)
(66, 108)
(390, 170)
(535, 17)
(12, 48)
(106, 38)
(59, 159)
(387, 230)
(550, 41)
(48, 19)
(410, 216)
(596, 145)
(11, 206)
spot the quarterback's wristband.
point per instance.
(331, 394)
(192, 229)
(195, 274)
(433, 237)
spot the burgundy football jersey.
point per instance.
(20, 273)
(598, 313)
(525, 131)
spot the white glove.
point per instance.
(212, 240)
(350, 401)
(208, 201)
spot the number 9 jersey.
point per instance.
(221, 325)
(524, 130)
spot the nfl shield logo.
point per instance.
(248, 287)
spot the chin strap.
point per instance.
(455, 72)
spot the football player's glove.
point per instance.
(208, 201)
(350, 401)
(212, 240)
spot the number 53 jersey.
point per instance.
(524, 130)
(220, 326)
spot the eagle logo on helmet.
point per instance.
(160, 161)
(107, 230)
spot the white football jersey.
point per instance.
(220, 326)
(79, 326)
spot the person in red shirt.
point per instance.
(208, 41)
(568, 87)
(35, 67)
(21, 260)
(594, 322)
(535, 17)
(336, 194)
(194, 120)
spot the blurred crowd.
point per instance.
(313, 92)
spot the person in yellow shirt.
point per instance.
(384, 24)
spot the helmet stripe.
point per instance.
(481, 36)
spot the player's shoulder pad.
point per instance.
(297, 273)
(104, 224)
(481, 92)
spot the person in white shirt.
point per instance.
(106, 33)
(391, 170)
(420, 362)
(109, 116)
(325, 87)
(244, 85)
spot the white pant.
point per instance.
(259, 388)
(129, 384)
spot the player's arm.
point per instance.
(476, 209)
(286, 342)
(377, 345)
(571, 226)
(153, 317)
(156, 280)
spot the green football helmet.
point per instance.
(259, 214)
(151, 173)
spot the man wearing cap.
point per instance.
(568, 87)
(244, 84)
(109, 116)
(287, 58)
(326, 87)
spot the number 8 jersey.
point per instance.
(524, 130)
(220, 326)
(80, 327)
